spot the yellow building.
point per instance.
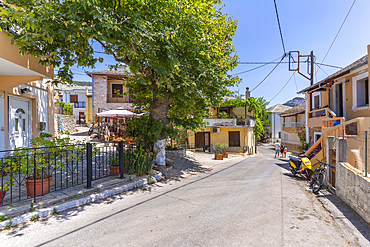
(339, 106)
(26, 98)
(226, 124)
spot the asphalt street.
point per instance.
(255, 202)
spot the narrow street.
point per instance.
(255, 202)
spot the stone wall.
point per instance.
(100, 91)
(175, 153)
(353, 188)
(291, 146)
(66, 123)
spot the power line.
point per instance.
(339, 30)
(283, 87)
(268, 73)
(295, 81)
(327, 65)
(321, 69)
(257, 67)
(281, 34)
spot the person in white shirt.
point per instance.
(277, 148)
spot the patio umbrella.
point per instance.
(116, 113)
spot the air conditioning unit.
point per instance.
(216, 130)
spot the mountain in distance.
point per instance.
(294, 102)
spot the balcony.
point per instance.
(114, 98)
(292, 126)
(315, 117)
(229, 122)
(81, 104)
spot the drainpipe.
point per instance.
(307, 128)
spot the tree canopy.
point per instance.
(258, 108)
(178, 51)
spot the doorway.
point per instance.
(339, 99)
(19, 122)
(202, 139)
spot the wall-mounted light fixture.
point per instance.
(24, 90)
(346, 82)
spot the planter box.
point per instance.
(114, 170)
(225, 155)
(219, 156)
(42, 186)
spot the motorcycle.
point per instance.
(301, 165)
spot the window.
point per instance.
(360, 91)
(73, 98)
(117, 90)
(23, 124)
(279, 134)
(16, 124)
(234, 139)
(20, 110)
(316, 100)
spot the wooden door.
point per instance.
(73, 98)
(234, 138)
(202, 139)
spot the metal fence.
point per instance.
(29, 173)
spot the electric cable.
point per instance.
(321, 69)
(281, 34)
(239, 73)
(322, 64)
(283, 87)
(339, 30)
(295, 81)
(269, 73)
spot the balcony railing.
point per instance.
(114, 98)
(229, 122)
(80, 104)
(293, 124)
(315, 117)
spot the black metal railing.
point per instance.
(81, 104)
(115, 98)
(33, 172)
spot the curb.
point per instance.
(76, 203)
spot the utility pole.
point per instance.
(311, 79)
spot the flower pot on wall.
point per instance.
(114, 170)
(2, 195)
(42, 186)
(219, 156)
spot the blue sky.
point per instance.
(306, 25)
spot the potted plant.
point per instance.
(223, 147)
(218, 154)
(114, 165)
(3, 189)
(35, 163)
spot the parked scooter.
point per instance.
(301, 165)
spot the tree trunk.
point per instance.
(158, 111)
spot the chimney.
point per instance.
(247, 93)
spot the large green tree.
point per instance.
(178, 51)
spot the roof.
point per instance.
(278, 108)
(357, 63)
(123, 71)
(294, 111)
(71, 87)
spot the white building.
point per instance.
(276, 121)
(75, 95)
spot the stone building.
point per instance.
(108, 88)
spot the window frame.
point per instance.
(314, 94)
(355, 80)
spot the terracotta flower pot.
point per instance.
(114, 170)
(226, 155)
(42, 186)
(2, 195)
(219, 156)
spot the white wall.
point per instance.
(2, 125)
(276, 125)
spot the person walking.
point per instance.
(277, 148)
(282, 150)
(285, 150)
